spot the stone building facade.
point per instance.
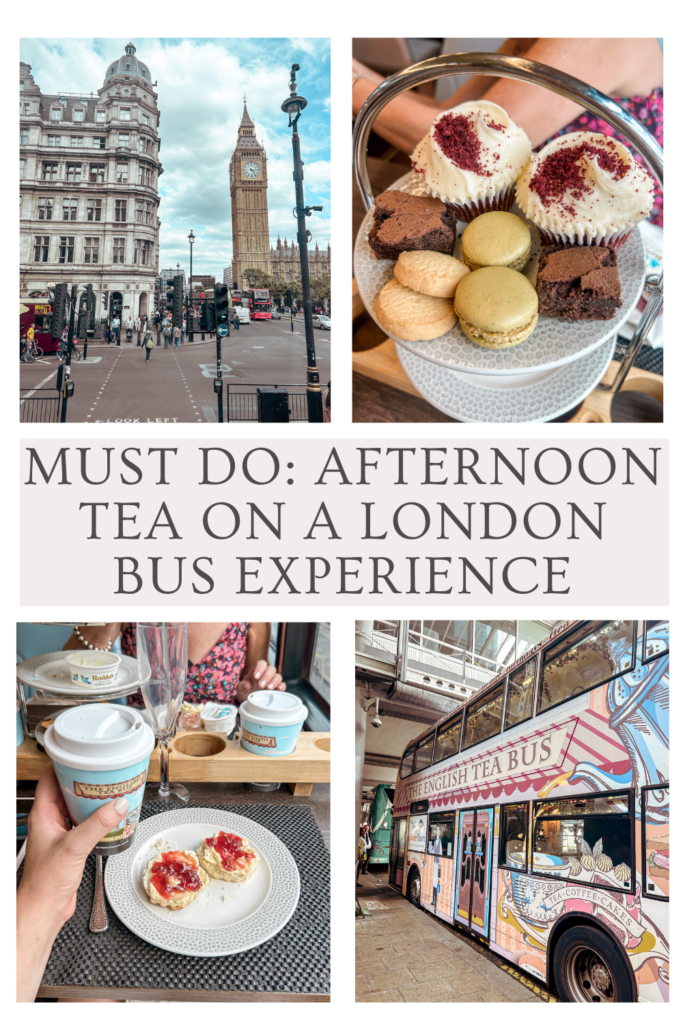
(286, 263)
(249, 204)
(89, 170)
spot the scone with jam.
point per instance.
(228, 857)
(174, 878)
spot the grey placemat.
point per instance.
(294, 960)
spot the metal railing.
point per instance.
(242, 405)
(40, 405)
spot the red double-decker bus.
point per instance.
(37, 313)
(259, 303)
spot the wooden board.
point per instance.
(309, 763)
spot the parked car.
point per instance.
(321, 321)
(275, 314)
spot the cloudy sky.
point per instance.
(200, 87)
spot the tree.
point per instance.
(278, 289)
(320, 289)
(257, 279)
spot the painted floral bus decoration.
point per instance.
(540, 823)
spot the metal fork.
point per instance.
(99, 922)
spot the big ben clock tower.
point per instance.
(249, 202)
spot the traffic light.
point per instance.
(59, 310)
(178, 301)
(288, 298)
(170, 291)
(222, 301)
(207, 321)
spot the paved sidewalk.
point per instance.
(404, 955)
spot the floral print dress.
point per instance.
(649, 110)
(216, 676)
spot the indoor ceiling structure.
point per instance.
(446, 663)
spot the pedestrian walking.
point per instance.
(138, 324)
(176, 335)
(364, 846)
(63, 342)
(116, 326)
(149, 345)
(166, 331)
(236, 321)
(107, 334)
(182, 334)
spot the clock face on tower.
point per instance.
(251, 170)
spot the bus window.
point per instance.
(655, 639)
(588, 837)
(514, 828)
(448, 739)
(520, 701)
(571, 667)
(440, 841)
(423, 755)
(655, 817)
(407, 763)
(483, 717)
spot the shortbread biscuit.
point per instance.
(412, 316)
(232, 859)
(431, 273)
(179, 869)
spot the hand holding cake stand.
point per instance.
(162, 670)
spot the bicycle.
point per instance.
(25, 353)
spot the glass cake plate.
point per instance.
(554, 343)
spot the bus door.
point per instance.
(473, 892)
(397, 851)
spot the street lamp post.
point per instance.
(293, 107)
(190, 305)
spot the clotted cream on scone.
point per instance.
(174, 878)
(228, 857)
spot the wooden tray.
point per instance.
(309, 763)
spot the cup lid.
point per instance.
(273, 707)
(99, 737)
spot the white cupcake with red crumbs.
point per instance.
(472, 157)
(585, 189)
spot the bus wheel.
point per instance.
(589, 967)
(415, 888)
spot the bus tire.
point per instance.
(589, 967)
(414, 887)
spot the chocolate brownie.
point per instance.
(578, 282)
(404, 223)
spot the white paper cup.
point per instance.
(101, 752)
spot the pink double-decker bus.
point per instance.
(536, 815)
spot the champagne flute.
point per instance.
(162, 670)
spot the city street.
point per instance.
(117, 385)
(404, 955)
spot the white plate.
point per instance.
(49, 672)
(553, 343)
(536, 398)
(209, 926)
